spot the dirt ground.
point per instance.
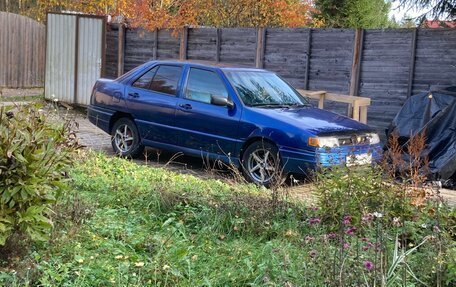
(5, 92)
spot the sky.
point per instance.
(400, 12)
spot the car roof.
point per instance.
(211, 64)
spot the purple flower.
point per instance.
(368, 265)
(346, 245)
(332, 235)
(314, 220)
(350, 231)
(436, 229)
(365, 239)
(368, 246)
(347, 220)
(313, 253)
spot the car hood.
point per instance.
(313, 120)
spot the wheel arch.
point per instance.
(117, 116)
(252, 140)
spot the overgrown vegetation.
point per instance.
(34, 155)
(125, 224)
(117, 223)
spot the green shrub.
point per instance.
(34, 155)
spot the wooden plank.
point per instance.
(260, 47)
(412, 62)
(360, 101)
(121, 50)
(183, 46)
(155, 47)
(356, 64)
(306, 75)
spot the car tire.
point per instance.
(125, 139)
(260, 164)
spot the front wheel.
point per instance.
(260, 164)
(125, 139)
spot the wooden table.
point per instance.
(357, 108)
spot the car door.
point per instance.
(204, 126)
(152, 100)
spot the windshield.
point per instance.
(257, 88)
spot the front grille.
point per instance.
(354, 140)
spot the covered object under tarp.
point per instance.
(435, 114)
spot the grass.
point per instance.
(122, 224)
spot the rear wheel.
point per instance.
(125, 139)
(260, 164)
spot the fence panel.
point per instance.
(202, 44)
(112, 51)
(238, 46)
(22, 51)
(139, 47)
(286, 54)
(385, 68)
(435, 62)
(168, 45)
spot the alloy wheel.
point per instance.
(261, 166)
(123, 138)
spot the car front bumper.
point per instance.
(301, 161)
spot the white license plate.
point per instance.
(359, 159)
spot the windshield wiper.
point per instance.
(277, 106)
(281, 106)
(298, 105)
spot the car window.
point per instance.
(144, 81)
(202, 84)
(166, 80)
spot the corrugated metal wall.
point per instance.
(89, 57)
(60, 57)
(74, 54)
(22, 50)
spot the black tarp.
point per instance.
(435, 114)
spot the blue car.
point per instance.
(250, 118)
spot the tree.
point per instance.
(434, 9)
(178, 13)
(354, 13)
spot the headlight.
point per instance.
(324, 142)
(336, 141)
(374, 138)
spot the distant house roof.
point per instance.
(438, 24)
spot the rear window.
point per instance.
(166, 80)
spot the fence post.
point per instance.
(155, 48)
(260, 47)
(412, 63)
(183, 44)
(356, 62)
(120, 50)
(309, 42)
(218, 41)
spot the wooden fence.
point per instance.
(22, 51)
(385, 65)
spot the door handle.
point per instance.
(186, 106)
(133, 95)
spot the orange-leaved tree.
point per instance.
(153, 14)
(220, 13)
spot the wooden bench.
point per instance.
(357, 106)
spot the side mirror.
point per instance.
(222, 101)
